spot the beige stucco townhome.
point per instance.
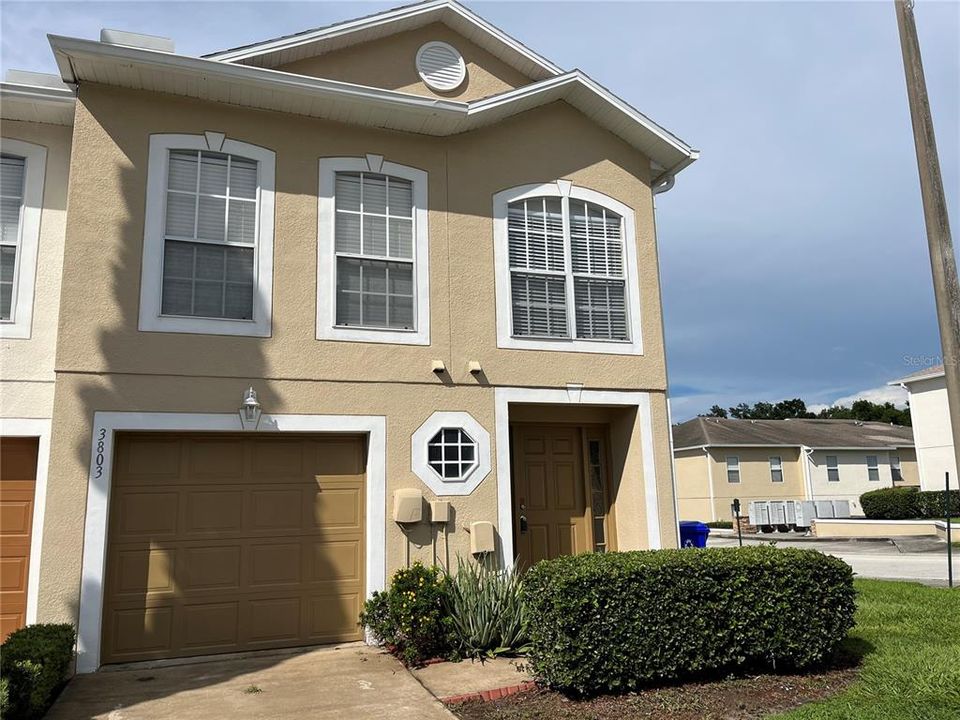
(399, 268)
(927, 393)
(718, 459)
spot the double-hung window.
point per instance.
(733, 469)
(833, 469)
(209, 236)
(873, 468)
(373, 279)
(566, 270)
(776, 469)
(895, 471)
(22, 167)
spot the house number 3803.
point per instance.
(101, 444)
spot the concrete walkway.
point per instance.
(341, 683)
(472, 679)
(879, 559)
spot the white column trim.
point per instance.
(105, 427)
(38, 428)
(504, 396)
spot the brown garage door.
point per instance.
(18, 479)
(232, 543)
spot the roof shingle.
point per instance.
(810, 433)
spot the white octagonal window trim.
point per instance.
(450, 453)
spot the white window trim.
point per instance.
(829, 467)
(419, 456)
(778, 466)
(151, 278)
(564, 188)
(24, 282)
(327, 328)
(875, 466)
(105, 427)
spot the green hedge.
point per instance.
(891, 503)
(907, 504)
(34, 662)
(610, 623)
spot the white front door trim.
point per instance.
(105, 427)
(504, 396)
(38, 428)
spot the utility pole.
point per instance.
(942, 261)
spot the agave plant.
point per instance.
(486, 609)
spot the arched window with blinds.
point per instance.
(566, 264)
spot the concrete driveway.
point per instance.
(342, 682)
(883, 560)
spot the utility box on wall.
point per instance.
(481, 537)
(407, 506)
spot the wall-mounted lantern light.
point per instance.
(250, 410)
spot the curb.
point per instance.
(488, 695)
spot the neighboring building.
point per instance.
(932, 431)
(717, 460)
(37, 112)
(431, 254)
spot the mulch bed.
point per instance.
(736, 698)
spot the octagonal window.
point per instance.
(452, 453)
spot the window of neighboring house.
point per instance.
(566, 270)
(733, 469)
(372, 252)
(895, 470)
(208, 251)
(776, 469)
(873, 468)
(833, 469)
(22, 167)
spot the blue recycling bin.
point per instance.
(693, 533)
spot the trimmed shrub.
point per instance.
(900, 503)
(931, 504)
(34, 662)
(721, 525)
(409, 617)
(485, 607)
(611, 623)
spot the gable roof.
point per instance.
(934, 371)
(289, 48)
(825, 434)
(232, 83)
(36, 97)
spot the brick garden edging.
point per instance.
(488, 695)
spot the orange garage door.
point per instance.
(18, 479)
(232, 543)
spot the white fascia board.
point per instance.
(910, 379)
(701, 446)
(349, 27)
(65, 48)
(37, 93)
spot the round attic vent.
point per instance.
(441, 66)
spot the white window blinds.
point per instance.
(210, 233)
(12, 171)
(562, 249)
(373, 238)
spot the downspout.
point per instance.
(713, 504)
(806, 452)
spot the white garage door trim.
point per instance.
(40, 429)
(105, 427)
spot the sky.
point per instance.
(793, 253)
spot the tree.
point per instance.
(716, 411)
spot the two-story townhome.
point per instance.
(932, 430)
(717, 460)
(332, 303)
(37, 114)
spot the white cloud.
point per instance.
(885, 393)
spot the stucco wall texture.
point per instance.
(105, 364)
(27, 364)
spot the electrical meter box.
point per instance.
(439, 511)
(481, 537)
(407, 506)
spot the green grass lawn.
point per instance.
(909, 636)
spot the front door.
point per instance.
(550, 509)
(18, 479)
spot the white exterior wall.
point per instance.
(853, 475)
(932, 433)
